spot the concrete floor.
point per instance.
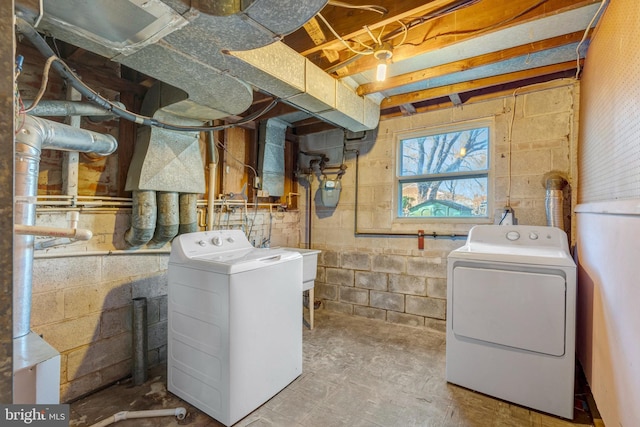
(356, 372)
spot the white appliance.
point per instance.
(234, 325)
(36, 371)
(511, 306)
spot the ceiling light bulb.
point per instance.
(381, 71)
(463, 151)
(383, 54)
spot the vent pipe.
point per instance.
(35, 135)
(554, 183)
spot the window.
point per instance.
(444, 173)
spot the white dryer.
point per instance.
(234, 324)
(511, 306)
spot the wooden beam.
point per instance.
(442, 91)
(486, 17)
(466, 64)
(556, 80)
(349, 23)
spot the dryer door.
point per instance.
(510, 308)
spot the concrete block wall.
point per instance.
(375, 272)
(82, 296)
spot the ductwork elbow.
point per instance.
(40, 133)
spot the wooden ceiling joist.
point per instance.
(444, 91)
(466, 64)
(485, 17)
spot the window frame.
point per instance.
(442, 129)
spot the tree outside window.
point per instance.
(444, 174)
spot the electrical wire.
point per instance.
(426, 18)
(584, 37)
(369, 7)
(43, 83)
(343, 41)
(509, 142)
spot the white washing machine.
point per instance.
(234, 324)
(511, 306)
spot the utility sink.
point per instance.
(309, 266)
(309, 270)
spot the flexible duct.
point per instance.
(35, 135)
(553, 201)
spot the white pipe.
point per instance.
(36, 230)
(179, 413)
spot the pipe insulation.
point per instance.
(140, 346)
(54, 108)
(35, 135)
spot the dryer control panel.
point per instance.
(518, 235)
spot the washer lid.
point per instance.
(232, 262)
(223, 251)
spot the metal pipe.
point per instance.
(554, 184)
(58, 136)
(35, 135)
(56, 108)
(140, 347)
(179, 413)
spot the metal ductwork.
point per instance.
(37, 134)
(166, 173)
(214, 51)
(554, 184)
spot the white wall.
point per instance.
(608, 216)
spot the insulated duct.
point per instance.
(201, 50)
(35, 135)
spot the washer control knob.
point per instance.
(533, 236)
(230, 239)
(513, 235)
(217, 241)
(202, 243)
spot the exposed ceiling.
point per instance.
(443, 52)
(446, 52)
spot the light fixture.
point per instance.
(383, 54)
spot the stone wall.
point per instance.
(377, 270)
